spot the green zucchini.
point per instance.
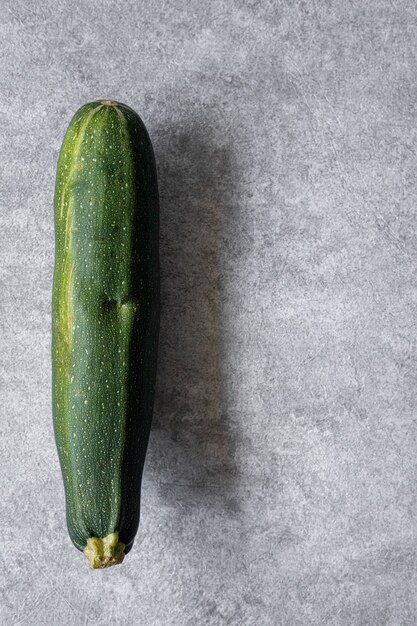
(105, 321)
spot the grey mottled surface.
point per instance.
(280, 484)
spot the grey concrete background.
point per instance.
(280, 484)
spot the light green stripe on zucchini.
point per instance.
(69, 161)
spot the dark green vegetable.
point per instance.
(105, 323)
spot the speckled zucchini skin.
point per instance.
(105, 317)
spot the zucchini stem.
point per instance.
(104, 552)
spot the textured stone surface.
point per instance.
(280, 484)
